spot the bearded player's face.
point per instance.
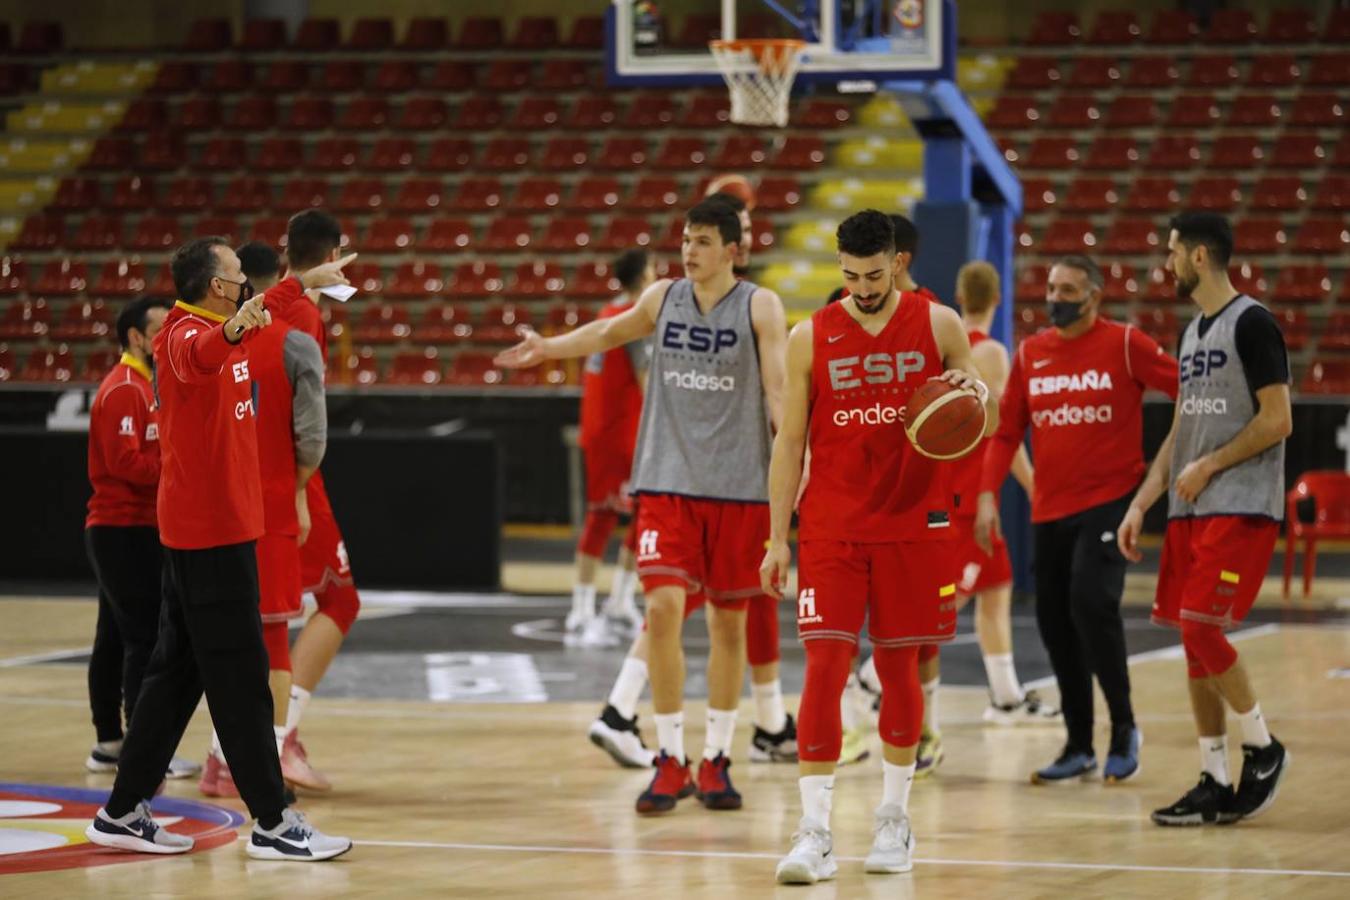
(869, 279)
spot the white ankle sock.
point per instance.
(583, 600)
(770, 714)
(1003, 683)
(299, 700)
(1214, 757)
(1254, 730)
(721, 728)
(280, 732)
(621, 594)
(628, 687)
(930, 711)
(670, 734)
(895, 784)
(817, 798)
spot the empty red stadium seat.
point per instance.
(1279, 193)
(91, 320)
(1326, 376)
(654, 193)
(565, 154)
(1120, 284)
(416, 279)
(96, 232)
(359, 367)
(13, 275)
(1073, 111)
(1013, 111)
(535, 114)
(592, 112)
(1230, 26)
(649, 110)
(97, 365)
(1152, 194)
(132, 194)
(255, 112)
(480, 33)
(592, 281)
(302, 193)
(26, 319)
(161, 283)
(1091, 195)
(1172, 27)
(565, 234)
(249, 193)
(383, 323)
(444, 323)
(222, 226)
(623, 153)
(1033, 73)
(537, 195)
(1259, 235)
(1298, 151)
(426, 34)
(1131, 112)
(822, 113)
(1092, 73)
(680, 154)
(263, 35)
(1318, 111)
(422, 114)
(310, 114)
(208, 36)
(1276, 70)
(1173, 153)
(1028, 320)
(476, 279)
(1294, 323)
(418, 195)
(1158, 323)
(110, 154)
(415, 368)
(228, 76)
(278, 155)
(800, 152)
(504, 75)
(187, 195)
(1068, 235)
(317, 35)
(1249, 278)
(626, 233)
(1152, 72)
(595, 194)
(364, 113)
(1236, 151)
(1219, 70)
(478, 114)
(449, 155)
(221, 154)
(477, 195)
(76, 195)
(284, 76)
(371, 34)
(174, 78)
(40, 232)
(588, 33)
(61, 277)
(334, 155)
(566, 316)
(506, 154)
(368, 278)
(1329, 70)
(536, 279)
(740, 151)
(1254, 111)
(1218, 194)
(144, 114)
(1290, 26)
(1192, 110)
(1337, 333)
(1322, 235)
(1112, 154)
(706, 110)
(1131, 237)
(1038, 195)
(394, 76)
(501, 323)
(535, 33)
(448, 235)
(1301, 284)
(1029, 286)
(49, 364)
(361, 195)
(1112, 27)
(450, 75)
(774, 194)
(161, 152)
(270, 230)
(155, 233)
(508, 234)
(1054, 29)
(473, 370)
(1333, 193)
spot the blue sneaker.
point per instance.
(1070, 764)
(1122, 761)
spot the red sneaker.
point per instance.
(714, 784)
(216, 779)
(295, 768)
(671, 783)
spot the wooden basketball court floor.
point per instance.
(507, 799)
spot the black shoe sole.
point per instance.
(720, 801)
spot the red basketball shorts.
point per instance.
(1212, 568)
(607, 474)
(278, 577)
(976, 570)
(323, 556)
(905, 589)
(709, 546)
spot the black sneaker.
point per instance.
(1262, 770)
(780, 747)
(1208, 803)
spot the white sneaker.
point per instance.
(620, 738)
(574, 628)
(626, 622)
(811, 858)
(597, 632)
(136, 831)
(101, 762)
(893, 844)
(1031, 711)
(295, 840)
(183, 768)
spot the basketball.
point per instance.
(944, 421)
(736, 185)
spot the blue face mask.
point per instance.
(1063, 313)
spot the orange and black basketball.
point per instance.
(944, 421)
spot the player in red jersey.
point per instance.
(875, 537)
(1079, 386)
(611, 405)
(985, 576)
(314, 238)
(120, 533)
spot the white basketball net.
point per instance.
(759, 75)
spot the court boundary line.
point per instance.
(918, 861)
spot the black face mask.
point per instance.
(1063, 313)
(245, 290)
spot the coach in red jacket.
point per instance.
(1079, 387)
(210, 510)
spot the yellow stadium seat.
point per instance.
(54, 117)
(852, 194)
(42, 157)
(84, 78)
(880, 153)
(982, 74)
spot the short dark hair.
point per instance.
(194, 265)
(311, 236)
(136, 314)
(258, 260)
(906, 235)
(1085, 265)
(731, 200)
(1208, 230)
(718, 213)
(866, 233)
(629, 268)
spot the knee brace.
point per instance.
(599, 525)
(928, 652)
(820, 732)
(901, 695)
(761, 632)
(1207, 644)
(341, 603)
(277, 639)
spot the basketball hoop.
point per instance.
(759, 75)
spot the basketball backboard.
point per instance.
(665, 42)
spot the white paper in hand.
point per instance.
(339, 292)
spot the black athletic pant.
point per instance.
(127, 562)
(210, 638)
(1080, 576)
